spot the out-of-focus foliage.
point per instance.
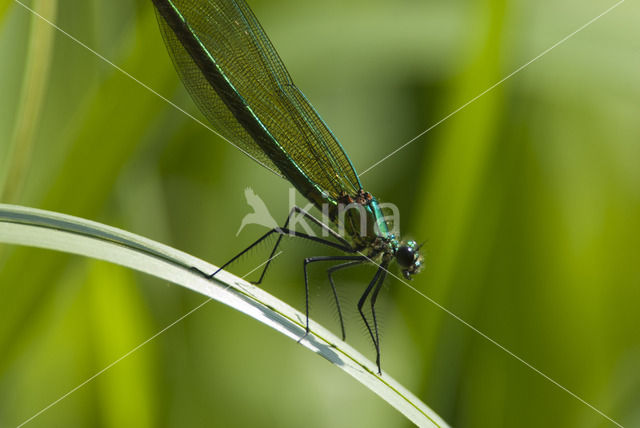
(529, 200)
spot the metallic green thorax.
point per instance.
(363, 223)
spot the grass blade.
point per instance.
(45, 229)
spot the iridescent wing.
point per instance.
(239, 82)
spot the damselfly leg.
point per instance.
(370, 292)
(375, 285)
(353, 260)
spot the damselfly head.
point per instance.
(408, 256)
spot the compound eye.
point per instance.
(405, 256)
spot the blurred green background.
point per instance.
(529, 200)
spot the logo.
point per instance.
(260, 215)
(298, 221)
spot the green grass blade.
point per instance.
(46, 229)
(34, 86)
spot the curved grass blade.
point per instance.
(46, 229)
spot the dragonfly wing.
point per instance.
(319, 137)
(235, 41)
(208, 101)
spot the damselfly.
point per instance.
(239, 82)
